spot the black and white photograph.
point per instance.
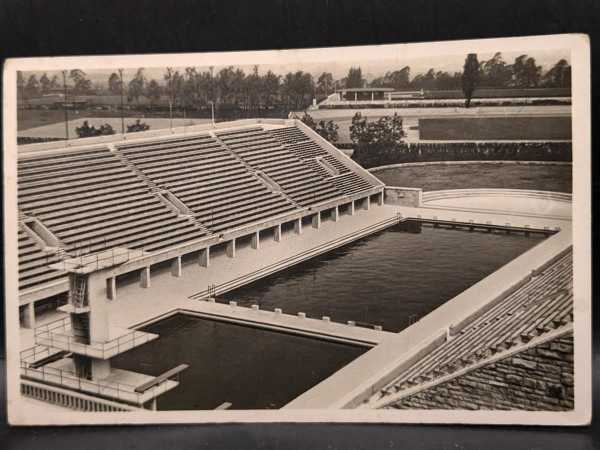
(384, 233)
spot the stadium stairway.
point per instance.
(219, 189)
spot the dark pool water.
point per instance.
(388, 278)
(248, 367)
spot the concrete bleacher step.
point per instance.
(497, 331)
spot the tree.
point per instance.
(45, 83)
(297, 89)
(81, 84)
(174, 81)
(526, 72)
(21, 87)
(424, 80)
(32, 88)
(354, 79)
(386, 132)
(470, 77)
(136, 86)
(495, 72)
(153, 92)
(325, 84)
(271, 86)
(54, 83)
(326, 129)
(445, 81)
(398, 79)
(559, 75)
(114, 83)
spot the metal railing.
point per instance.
(108, 258)
(60, 334)
(111, 389)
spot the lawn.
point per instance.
(476, 176)
(494, 128)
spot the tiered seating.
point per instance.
(33, 263)
(543, 304)
(218, 188)
(316, 167)
(289, 135)
(297, 179)
(350, 183)
(346, 180)
(91, 200)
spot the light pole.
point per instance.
(212, 111)
(64, 74)
(122, 112)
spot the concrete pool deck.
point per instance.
(134, 305)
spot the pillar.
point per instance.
(29, 316)
(367, 203)
(204, 257)
(153, 404)
(335, 214)
(277, 233)
(256, 240)
(298, 225)
(231, 248)
(316, 220)
(111, 288)
(352, 206)
(355, 96)
(372, 95)
(145, 277)
(380, 199)
(176, 267)
(100, 368)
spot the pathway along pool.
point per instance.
(387, 279)
(248, 367)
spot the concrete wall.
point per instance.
(403, 196)
(540, 378)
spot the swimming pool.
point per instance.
(250, 368)
(391, 278)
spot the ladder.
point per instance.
(79, 291)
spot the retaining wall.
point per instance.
(403, 196)
(540, 378)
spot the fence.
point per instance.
(59, 334)
(111, 389)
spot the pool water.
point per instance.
(249, 367)
(389, 279)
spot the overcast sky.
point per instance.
(370, 68)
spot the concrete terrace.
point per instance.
(226, 249)
(134, 306)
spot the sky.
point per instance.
(371, 68)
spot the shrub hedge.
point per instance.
(373, 156)
(450, 103)
(24, 140)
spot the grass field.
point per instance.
(478, 176)
(494, 128)
(57, 130)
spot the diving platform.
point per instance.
(61, 335)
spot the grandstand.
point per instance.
(160, 193)
(539, 310)
(160, 197)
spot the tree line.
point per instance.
(495, 72)
(192, 87)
